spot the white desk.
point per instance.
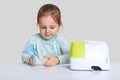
(25, 72)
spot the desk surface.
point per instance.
(62, 72)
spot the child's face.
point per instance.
(48, 27)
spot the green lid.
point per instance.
(78, 49)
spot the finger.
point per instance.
(47, 64)
(31, 61)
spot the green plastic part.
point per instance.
(78, 49)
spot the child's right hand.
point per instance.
(31, 61)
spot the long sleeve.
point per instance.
(65, 50)
(28, 51)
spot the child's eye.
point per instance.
(43, 27)
(52, 27)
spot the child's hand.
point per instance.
(31, 61)
(52, 61)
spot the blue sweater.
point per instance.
(57, 46)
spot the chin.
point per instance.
(48, 38)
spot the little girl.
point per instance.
(47, 44)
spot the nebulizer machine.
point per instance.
(89, 55)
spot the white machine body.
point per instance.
(96, 57)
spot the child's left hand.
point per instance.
(52, 61)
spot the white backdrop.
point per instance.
(82, 20)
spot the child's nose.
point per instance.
(47, 30)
